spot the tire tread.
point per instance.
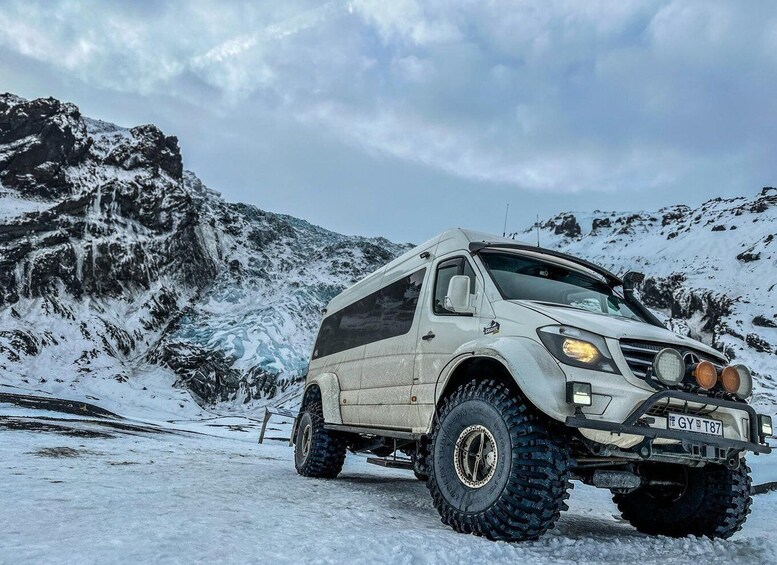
(722, 511)
(534, 496)
(327, 449)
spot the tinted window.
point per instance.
(446, 270)
(383, 314)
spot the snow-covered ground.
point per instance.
(83, 490)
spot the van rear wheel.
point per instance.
(318, 452)
(711, 501)
(494, 468)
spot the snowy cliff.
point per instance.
(121, 274)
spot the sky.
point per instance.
(404, 118)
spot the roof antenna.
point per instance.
(504, 231)
(537, 225)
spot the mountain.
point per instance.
(124, 279)
(127, 282)
(711, 271)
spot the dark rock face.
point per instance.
(660, 293)
(767, 198)
(46, 136)
(149, 148)
(210, 376)
(78, 241)
(747, 257)
(683, 303)
(757, 343)
(565, 225)
(120, 259)
(678, 213)
(764, 322)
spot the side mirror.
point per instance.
(631, 280)
(458, 297)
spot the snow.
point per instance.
(12, 204)
(205, 491)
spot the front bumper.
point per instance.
(636, 424)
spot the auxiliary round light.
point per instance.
(705, 374)
(669, 367)
(745, 382)
(730, 379)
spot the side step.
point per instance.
(391, 463)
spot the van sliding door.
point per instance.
(387, 371)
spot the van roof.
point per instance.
(458, 239)
(454, 239)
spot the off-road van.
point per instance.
(502, 371)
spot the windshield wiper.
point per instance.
(561, 305)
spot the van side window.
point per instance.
(386, 313)
(446, 270)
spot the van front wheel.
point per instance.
(318, 452)
(495, 469)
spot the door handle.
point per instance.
(428, 336)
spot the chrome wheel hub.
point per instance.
(475, 456)
(307, 440)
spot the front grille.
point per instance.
(640, 354)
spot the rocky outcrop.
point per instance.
(564, 225)
(40, 139)
(114, 261)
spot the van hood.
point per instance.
(614, 327)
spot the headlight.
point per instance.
(578, 348)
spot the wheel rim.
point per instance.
(307, 440)
(475, 456)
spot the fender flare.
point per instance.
(535, 371)
(329, 385)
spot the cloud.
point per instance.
(557, 96)
(407, 21)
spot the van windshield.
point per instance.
(524, 278)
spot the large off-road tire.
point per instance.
(495, 468)
(317, 452)
(421, 458)
(713, 501)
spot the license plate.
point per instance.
(695, 424)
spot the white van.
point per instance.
(506, 370)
